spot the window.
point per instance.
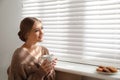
(79, 31)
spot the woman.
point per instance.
(26, 61)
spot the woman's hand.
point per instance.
(48, 66)
(54, 62)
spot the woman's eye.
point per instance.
(36, 30)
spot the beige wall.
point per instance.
(10, 14)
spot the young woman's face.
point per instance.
(36, 33)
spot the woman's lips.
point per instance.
(40, 37)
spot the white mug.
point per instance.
(49, 57)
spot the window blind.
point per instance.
(79, 31)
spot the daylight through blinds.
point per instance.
(80, 31)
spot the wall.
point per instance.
(10, 15)
(68, 76)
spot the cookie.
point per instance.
(112, 69)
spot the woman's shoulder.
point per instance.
(43, 47)
(44, 50)
(19, 50)
(19, 53)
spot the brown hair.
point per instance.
(25, 26)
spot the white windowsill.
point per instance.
(85, 70)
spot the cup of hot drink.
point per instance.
(49, 57)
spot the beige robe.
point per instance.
(25, 67)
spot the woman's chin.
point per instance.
(40, 40)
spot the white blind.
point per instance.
(81, 31)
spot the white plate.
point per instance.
(108, 73)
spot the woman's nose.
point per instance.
(41, 31)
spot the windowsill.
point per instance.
(85, 70)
